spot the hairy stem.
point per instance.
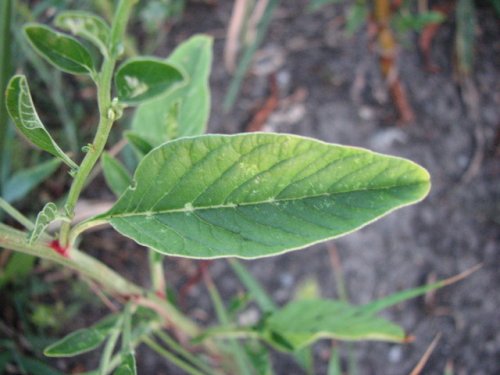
(106, 115)
(94, 269)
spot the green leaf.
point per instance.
(22, 111)
(256, 195)
(466, 20)
(82, 340)
(152, 120)
(18, 267)
(116, 175)
(138, 143)
(356, 17)
(48, 214)
(85, 25)
(141, 79)
(300, 323)
(26, 180)
(127, 366)
(334, 367)
(61, 50)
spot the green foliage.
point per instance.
(22, 182)
(198, 196)
(48, 214)
(183, 112)
(142, 79)
(257, 195)
(116, 175)
(83, 340)
(302, 322)
(23, 113)
(87, 26)
(61, 50)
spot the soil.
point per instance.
(330, 88)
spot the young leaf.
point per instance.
(300, 323)
(83, 340)
(115, 174)
(151, 119)
(141, 79)
(127, 366)
(138, 143)
(22, 111)
(61, 50)
(26, 180)
(256, 195)
(85, 25)
(48, 214)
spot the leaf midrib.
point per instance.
(268, 201)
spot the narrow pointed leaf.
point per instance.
(256, 195)
(61, 50)
(138, 143)
(116, 176)
(26, 180)
(151, 119)
(85, 25)
(82, 340)
(141, 79)
(22, 111)
(300, 323)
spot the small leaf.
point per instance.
(85, 25)
(22, 111)
(300, 323)
(151, 119)
(48, 214)
(116, 176)
(26, 180)
(356, 17)
(138, 143)
(61, 50)
(82, 340)
(256, 195)
(141, 79)
(127, 366)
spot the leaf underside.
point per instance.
(257, 195)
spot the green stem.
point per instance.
(174, 345)
(92, 268)
(110, 346)
(156, 271)
(19, 217)
(5, 67)
(171, 357)
(106, 117)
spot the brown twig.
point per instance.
(425, 358)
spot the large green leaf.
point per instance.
(61, 50)
(85, 25)
(142, 79)
(256, 195)
(152, 119)
(22, 111)
(300, 323)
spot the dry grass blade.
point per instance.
(423, 361)
(233, 34)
